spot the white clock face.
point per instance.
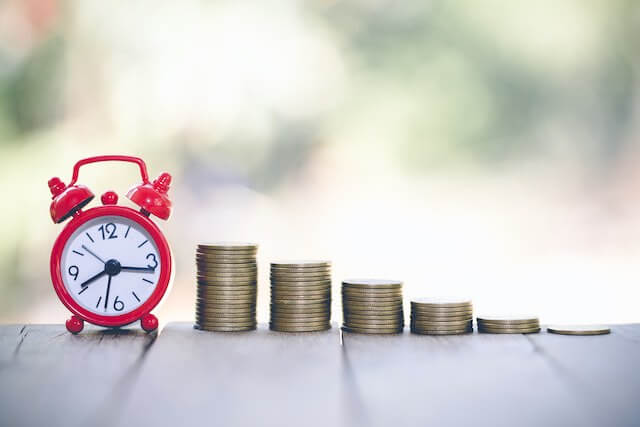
(110, 265)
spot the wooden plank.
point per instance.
(52, 378)
(258, 378)
(601, 370)
(478, 379)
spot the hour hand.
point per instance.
(139, 269)
(93, 278)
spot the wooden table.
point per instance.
(184, 377)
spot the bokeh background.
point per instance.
(482, 148)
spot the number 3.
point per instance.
(155, 261)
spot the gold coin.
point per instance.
(302, 302)
(424, 332)
(367, 299)
(227, 312)
(301, 289)
(204, 280)
(213, 323)
(430, 324)
(347, 293)
(312, 317)
(225, 259)
(301, 264)
(229, 288)
(278, 328)
(507, 319)
(373, 331)
(441, 313)
(225, 321)
(300, 270)
(225, 269)
(299, 295)
(442, 302)
(248, 299)
(298, 322)
(509, 331)
(362, 305)
(306, 312)
(228, 245)
(579, 329)
(225, 317)
(220, 329)
(212, 302)
(509, 326)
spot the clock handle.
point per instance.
(117, 158)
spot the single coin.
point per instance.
(301, 263)
(351, 305)
(442, 302)
(424, 332)
(509, 331)
(371, 283)
(213, 303)
(509, 325)
(225, 321)
(228, 288)
(442, 313)
(507, 319)
(301, 289)
(579, 329)
(226, 330)
(227, 313)
(374, 300)
(302, 295)
(298, 322)
(299, 302)
(228, 245)
(279, 328)
(372, 331)
(225, 268)
(347, 293)
(372, 312)
(428, 324)
(360, 317)
(300, 270)
(279, 316)
(225, 317)
(441, 318)
(225, 254)
(203, 280)
(395, 325)
(225, 259)
(290, 281)
(278, 298)
(227, 275)
(241, 299)
(437, 330)
(212, 323)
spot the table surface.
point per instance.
(188, 377)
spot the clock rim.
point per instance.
(164, 252)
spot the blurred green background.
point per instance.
(482, 148)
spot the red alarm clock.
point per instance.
(111, 265)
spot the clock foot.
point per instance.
(75, 324)
(149, 322)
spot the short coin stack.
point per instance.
(508, 324)
(300, 296)
(372, 306)
(227, 287)
(441, 316)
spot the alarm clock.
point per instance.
(111, 264)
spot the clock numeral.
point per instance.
(73, 271)
(118, 305)
(154, 260)
(108, 231)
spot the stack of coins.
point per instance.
(300, 296)
(508, 324)
(372, 306)
(227, 287)
(441, 316)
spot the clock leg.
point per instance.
(75, 324)
(149, 322)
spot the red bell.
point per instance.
(152, 197)
(67, 200)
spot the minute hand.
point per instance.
(140, 269)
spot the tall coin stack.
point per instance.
(227, 287)
(441, 316)
(372, 306)
(300, 296)
(508, 324)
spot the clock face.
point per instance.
(110, 265)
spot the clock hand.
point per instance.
(96, 256)
(140, 269)
(93, 278)
(106, 298)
